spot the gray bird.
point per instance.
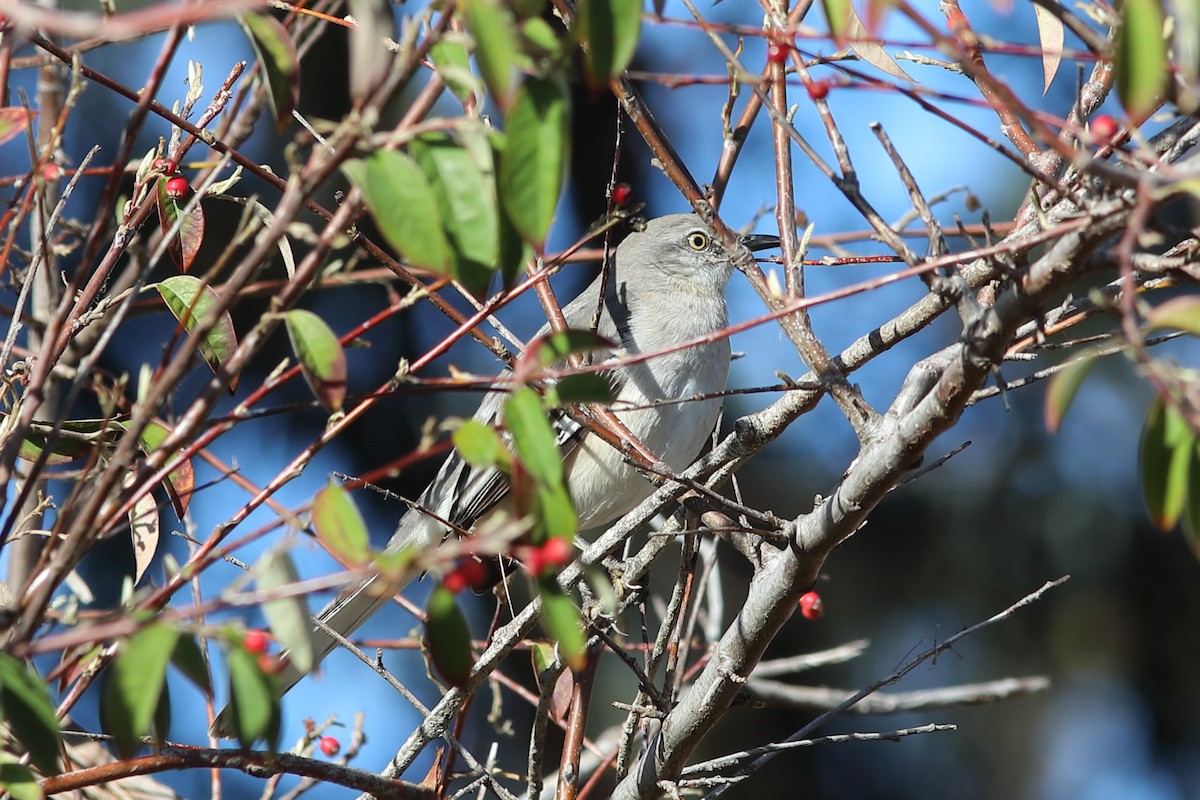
(666, 287)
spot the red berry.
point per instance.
(177, 187)
(474, 572)
(165, 166)
(777, 53)
(255, 642)
(818, 89)
(1104, 127)
(330, 746)
(534, 560)
(621, 193)
(811, 606)
(270, 665)
(454, 581)
(557, 552)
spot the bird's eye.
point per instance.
(697, 241)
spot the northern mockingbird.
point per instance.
(666, 287)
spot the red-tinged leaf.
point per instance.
(1050, 33)
(181, 482)
(184, 243)
(321, 357)
(144, 530)
(1141, 61)
(1165, 461)
(1181, 313)
(561, 622)
(13, 121)
(277, 58)
(340, 526)
(1064, 384)
(134, 684)
(535, 156)
(448, 638)
(404, 206)
(191, 301)
(554, 348)
(610, 28)
(26, 708)
(76, 438)
(545, 657)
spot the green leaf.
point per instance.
(76, 438)
(253, 701)
(26, 708)
(560, 619)
(587, 387)
(189, 660)
(403, 204)
(287, 617)
(1191, 506)
(133, 686)
(185, 243)
(1181, 313)
(492, 26)
(1165, 459)
(555, 514)
(448, 637)
(479, 444)
(18, 780)
(1063, 386)
(321, 357)
(535, 156)
(838, 13)
(191, 301)
(610, 29)
(464, 191)
(277, 58)
(340, 526)
(554, 348)
(451, 61)
(1141, 60)
(533, 437)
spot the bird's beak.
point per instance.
(759, 241)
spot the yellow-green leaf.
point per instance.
(404, 206)
(26, 708)
(191, 301)
(339, 525)
(1141, 61)
(321, 357)
(277, 58)
(134, 684)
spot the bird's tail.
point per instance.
(352, 607)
